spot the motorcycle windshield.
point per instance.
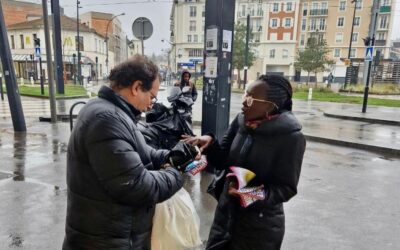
(174, 93)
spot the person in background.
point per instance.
(265, 138)
(185, 81)
(114, 178)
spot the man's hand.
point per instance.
(202, 141)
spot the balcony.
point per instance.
(384, 9)
(319, 12)
(380, 43)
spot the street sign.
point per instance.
(37, 52)
(369, 53)
(195, 60)
(142, 28)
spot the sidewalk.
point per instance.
(340, 124)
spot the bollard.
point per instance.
(21, 81)
(310, 94)
(32, 82)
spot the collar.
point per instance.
(111, 96)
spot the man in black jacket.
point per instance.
(114, 178)
(185, 82)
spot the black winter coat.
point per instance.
(113, 178)
(274, 152)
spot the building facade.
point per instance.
(332, 21)
(19, 12)
(187, 35)
(93, 51)
(110, 28)
(280, 28)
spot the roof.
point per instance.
(99, 15)
(67, 23)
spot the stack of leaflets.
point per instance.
(248, 195)
(197, 166)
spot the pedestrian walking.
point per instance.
(266, 139)
(114, 178)
(185, 82)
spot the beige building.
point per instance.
(332, 21)
(187, 35)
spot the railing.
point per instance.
(319, 12)
(380, 42)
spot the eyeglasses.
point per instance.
(250, 100)
(153, 98)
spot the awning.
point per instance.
(66, 59)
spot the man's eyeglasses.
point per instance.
(153, 98)
(250, 100)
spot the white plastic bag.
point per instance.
(175, 224)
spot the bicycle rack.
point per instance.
(71, 122)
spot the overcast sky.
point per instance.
(158, 11)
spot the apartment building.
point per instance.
(187, 35)
(332, 21)
(117, 38)
(274, 26)
(21, 39)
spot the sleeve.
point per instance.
(119, 169)
(158, 157)
(287, 172)
(218, 152)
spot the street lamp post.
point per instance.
(106, 40)
(174, 45)
(78, 42)
(351, 42)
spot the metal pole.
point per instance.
(107, 44)
(246, 52)
(41, 77)
(50, 71)
(351, 39)
(1, 87)
(142, 37)
(58, 55)
(78, 43)
(14, 100)
(376, 5)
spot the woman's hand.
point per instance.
(232, 189)
(202, 141)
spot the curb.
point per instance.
(372, 148)
(362, 119)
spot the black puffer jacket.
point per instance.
(274, 152)
(112, 188)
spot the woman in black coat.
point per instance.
(266, 139)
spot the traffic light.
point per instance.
(37, 42)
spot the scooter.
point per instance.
(165, 126)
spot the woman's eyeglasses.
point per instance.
(250, 100)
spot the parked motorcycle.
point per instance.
(165, 126)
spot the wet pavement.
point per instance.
(347, 198)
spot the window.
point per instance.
(342, 6)
(305, 8)
(324, 7)
(322, 25)
(353, 53)
(243, 10)
(359, 5)
(340, 22)
(313, 24)
(189, 38)
(289, 6)
(95, 44)
(339, 38)
(259, 10)
(384, 22)
(302, 39)
(192, 26)
(274, 23)
(79, 43)
(256, 38)
(203, 13)
(195, 38)
(357, 20)
(288, 22)
(385, 3)
(285, 53)
(275, 7)
(336, 53)
(380, 36)
(272, 53)
(193, 11)
(21, 39)
(303, 24)
(195, 53)
(12, 42)
(251, 7)
(354, 37)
